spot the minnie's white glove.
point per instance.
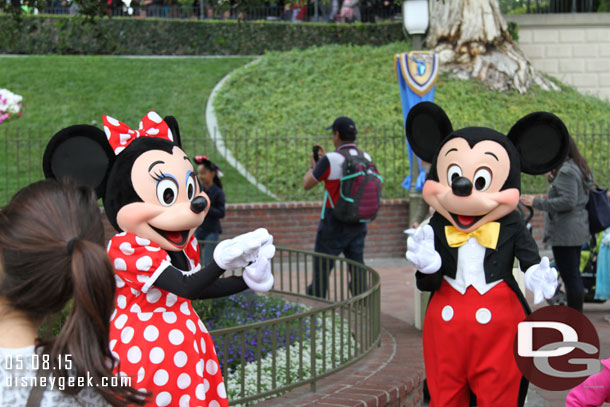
(541, 279)
(242, 250)
(420, 251)
(258, 275)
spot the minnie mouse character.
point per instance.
(152, 197)
(465, 255)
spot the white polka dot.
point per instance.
(199, 392)
(184, 308)
(152, 131)
(176, 337)
(185, 401)
(112, 344)
(119, 264)
(120, 321)
(170, 317)
(118, 150)
(171, 299)
(127, 334)
(184, 381)
(124, 138)
(144, 263)
(121, 301)
(214, 403)
(180, 359)
(151, 333)
(202, 327)
(145, 316)
(135, 308)
(153, 116)
(115, 356)
(195, 346)
(142, 278)
(107, 131)
(191, 326)
(161, 377)
(119, 281)
(152, 248)
(126, 248)
(222, 392)
(141, 374)
(114, 315)
(211, 367)
(170, 135)
(121, 234)
(483, 316)
(203, 347)
(141, 241)
(156, 355)
(163, 399)
(160, 309)
(112, 121)
(206, 385)
(447, 313)
(133, 290)
(134, 354)
(194, 243)
(153, 295)
(199, 368)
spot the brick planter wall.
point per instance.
(294, 224)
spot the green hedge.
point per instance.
(138, 36)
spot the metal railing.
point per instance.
(560, 6)
(277, 158)
(333, 334)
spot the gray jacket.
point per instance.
(566, 221)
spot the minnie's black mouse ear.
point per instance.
(542, 141)
(79, 152)
(172, 123)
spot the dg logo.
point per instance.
(557, 348)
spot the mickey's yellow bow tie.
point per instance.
(486, 235)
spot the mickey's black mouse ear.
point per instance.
(426, 127)
(172, 123)
(542, 141)
(79, 152)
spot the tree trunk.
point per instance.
(473, 42)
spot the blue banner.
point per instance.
(417, 73)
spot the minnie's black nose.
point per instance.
(461, 186)
(199, 204)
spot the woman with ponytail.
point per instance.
(51, 253)
(209, 174)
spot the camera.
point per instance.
(316, 153)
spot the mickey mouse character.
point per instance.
(152, 197)
(465, 255)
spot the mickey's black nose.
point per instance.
(461, 186)
(199, 204)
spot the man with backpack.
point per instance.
(351, 199)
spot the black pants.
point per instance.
(567, 259)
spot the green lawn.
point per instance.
(59, 91)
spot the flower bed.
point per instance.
(10, 105)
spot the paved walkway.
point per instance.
(398, 363)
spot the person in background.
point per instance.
(566, 226)
(52, 252)
(209, 175)
(594, 391)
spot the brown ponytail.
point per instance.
(40, 274)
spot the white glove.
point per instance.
(258, 275)
(242, 250)
(541, 279)
(420, 251)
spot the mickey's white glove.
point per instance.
(420, 251)
(541, 279)
(242, 250)
(258, 275)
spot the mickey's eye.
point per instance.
(190, 186)
(482, 179)
(167, 191)
(453, 172)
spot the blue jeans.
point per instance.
(334, 237)
(208, 249)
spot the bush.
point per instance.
(138, 36)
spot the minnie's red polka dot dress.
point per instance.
(157, 336)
